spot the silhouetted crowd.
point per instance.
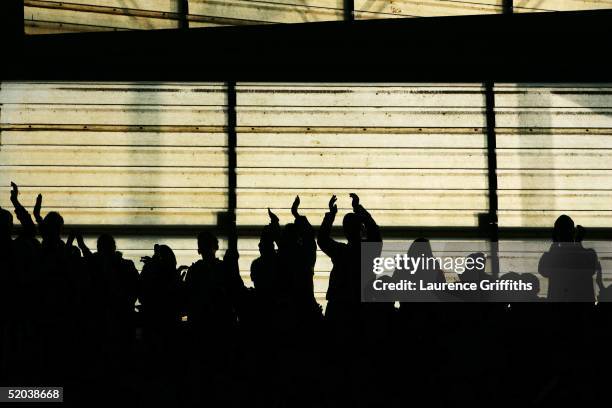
(192, 335)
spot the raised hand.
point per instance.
(71, 237)
(14, 191)
(333, 208)
(79, 239)
(231, 253)
(273, 217)
(38, 204)
(355, 202)
(295, 206)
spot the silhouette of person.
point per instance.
(48, 286)
(7, 252)
(344, 290)
(427, 271)
(214, 288)
(160, 307)
(8, 287)
(27, 295)
(533, 294)
(298, 254)
(265, 268)
(474, 273)
(113, 293)
(568, 266)
(28, 228)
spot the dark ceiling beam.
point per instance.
(549, 47)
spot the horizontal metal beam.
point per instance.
(593, 234)
(538, 47)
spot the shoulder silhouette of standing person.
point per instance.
(160, 289)
(213, 287)
(114, 289)
(160, 306)
(427, 271)
(265, 268)
(298, 254)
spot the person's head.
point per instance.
(580, 233)
(535, 284)
(6, 223)
(165, 256)
(266, 242)
(207, 245)
(477, 262)
(53, 223)
(506, 295)
(474, 267)
(106, 244)
(290, 237)
(564, 229)
(420, 247)
(351, 225)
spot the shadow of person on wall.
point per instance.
(568, 266)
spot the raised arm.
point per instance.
(274, 227)
(24, 217)
(300, 220)
(372, 229)
(330, 247)
(82, 246)
(37, 206)
(309, 243)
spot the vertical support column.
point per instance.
(183, 11)
(11, 22)
(232, 235)
(349, 10)
(492, 224)
(508, 6)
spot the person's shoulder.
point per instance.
(126, 263)
(591, 255)
(548, 254)
(199, 264)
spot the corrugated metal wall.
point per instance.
(368, 9)
(43, 16)
(156, 154)
(554, 154)
(236, 12)
(48, 17)
(117, 153)
(416, 154)
(531, 6)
